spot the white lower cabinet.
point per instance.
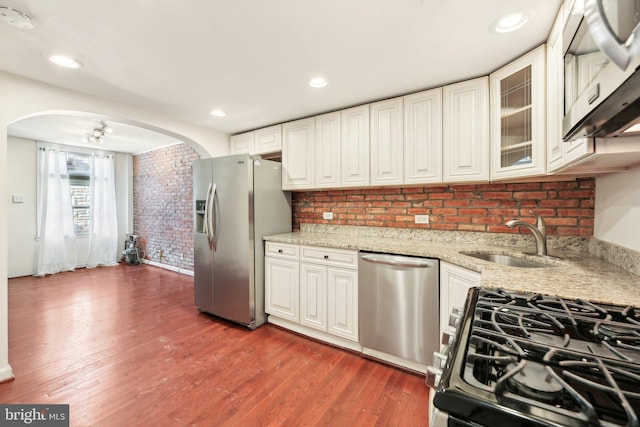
(313, 296)
(324, 303)
(342, 302)
(282, 282)
(454, 283)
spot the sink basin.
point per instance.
(507, 260)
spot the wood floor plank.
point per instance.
(126, 346)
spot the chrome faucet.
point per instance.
(539, 232)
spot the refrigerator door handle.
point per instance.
(213, 220)
(205, 226)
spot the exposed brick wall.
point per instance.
(162, 199)
(567, 206)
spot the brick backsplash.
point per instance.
(162, 204)
(567, 206)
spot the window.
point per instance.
(79, 168)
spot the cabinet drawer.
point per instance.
(328, 256)
(282, 250)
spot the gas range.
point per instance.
(525, 359)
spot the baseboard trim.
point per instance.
(169, 267)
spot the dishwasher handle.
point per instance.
(397, 261)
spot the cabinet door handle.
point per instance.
(326, 257)
(279, 251)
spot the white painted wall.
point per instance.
(21, 168)
(617, 209)
(21, 97)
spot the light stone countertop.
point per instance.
(575, 275)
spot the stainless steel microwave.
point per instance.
(601, 42)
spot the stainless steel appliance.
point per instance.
(525, 359)
(238, 200)
(601, 43)
(398, 308)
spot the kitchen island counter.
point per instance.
(576, 274)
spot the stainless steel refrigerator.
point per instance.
(238, 199)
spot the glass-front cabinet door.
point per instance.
(518, 117)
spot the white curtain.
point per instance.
(57, 242)
(103, 227)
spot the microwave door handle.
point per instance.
(214, 219)
(602, 35)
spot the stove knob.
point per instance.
(457, 310)
(433, 376)
(454, 320)
(448, 337)
(439, 360)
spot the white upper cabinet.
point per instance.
(560, 153)
(242, 143)
(327, 158)
(466, 131)
(386, 142)
(423, 137)
(555, 101)
(354, 169)
(298, 149)
(268, 140)
(518, 132)
(261, 141)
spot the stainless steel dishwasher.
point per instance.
(398, 303)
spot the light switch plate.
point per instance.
(327, 215)
(17, 198)
(422, 219)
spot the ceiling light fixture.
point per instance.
(98, 133)
(218, 113)
(318, 82)
(64, 61)
(509, 23)
(16, 17)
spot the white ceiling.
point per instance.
(253, 58)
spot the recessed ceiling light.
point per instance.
(16, 17)
(64, 61)
(218, 113)
(318, 82)
(509, 23)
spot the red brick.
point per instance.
(566, 203)
(444, 211)
(576, 194)
(561, 221)
(419, 196)
(472, 212)
(441, 226)
(576, 212)
(393, 197)
(471, 227)
(466, 195)
(456, 203)
(527, 186)
(536, 195)
(434, 196)
(457, 218)
(485, 203)
(497, 195)
(559, 185)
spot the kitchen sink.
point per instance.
(507, 260)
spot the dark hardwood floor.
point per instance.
(125, 346)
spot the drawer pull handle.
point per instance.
(326, 257)
(280, 251)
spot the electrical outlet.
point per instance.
(327, 215)
(422, 219)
